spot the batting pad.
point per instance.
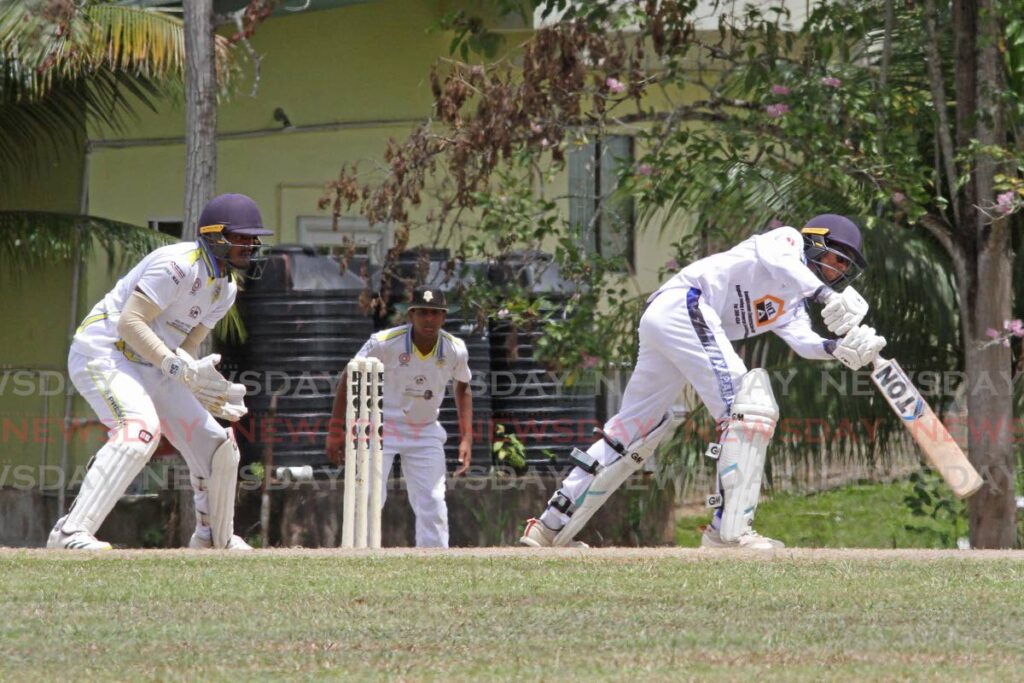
(113, 468)
(220, 492)
(744, 445)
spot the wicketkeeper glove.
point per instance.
(222, 398)
(859, 348)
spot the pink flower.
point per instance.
(831, 82)
(898, 197)
(614, 85)
(780, 90)
(1014, 327)
(672, 264)
(589, 361)
(644, 169)
(503, 313)
(776, 110)
(992, 334)
(1004, 202)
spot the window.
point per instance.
(371, 241)
(168, 226)
(603, 218)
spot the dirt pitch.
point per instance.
(610, 554)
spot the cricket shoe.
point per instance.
(197, 542)
(74, 538)
(538, 535)
(749, 540)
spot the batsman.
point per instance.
(134, 360)
(762, 284)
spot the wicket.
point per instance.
(364, 454)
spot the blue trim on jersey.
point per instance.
(209, 259)
(715, 356)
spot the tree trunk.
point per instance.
(200, 112)
(990, 403)
(993, 512)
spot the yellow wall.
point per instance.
(357, 66)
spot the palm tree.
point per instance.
(62, 62)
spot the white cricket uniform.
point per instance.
(128, 393)
(760, 285)
(414, 387)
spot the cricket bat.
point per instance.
(939, 448)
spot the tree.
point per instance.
(63, 61)
(200, 109)
(744, 121)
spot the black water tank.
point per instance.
(479, 347)
(546, 412)
(303, 322)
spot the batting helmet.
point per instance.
(234, 214)
(830, 233)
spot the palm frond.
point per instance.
(146, 42)
(29, 239)
(99, 62)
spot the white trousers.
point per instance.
(425, 475)
(681, 340)
(133, 397)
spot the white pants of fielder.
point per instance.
(423, 468)
(138, 404)
(681, 341)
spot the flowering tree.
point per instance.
(897, 112)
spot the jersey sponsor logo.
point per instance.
(768, 309)
(420, 380)
(173, 276)
(428, 394)
(177, 270)
(196, 285)
(195, 311)
(144, 436)
(403, 360)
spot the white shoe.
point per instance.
(749, 540)
(538, 535)
(197, 542)
(74, 539)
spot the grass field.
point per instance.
(669, 614)
(858, 516)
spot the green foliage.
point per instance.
(29, 239)
(61, 62)
(858, 516)
(508, 449)
(938, 514)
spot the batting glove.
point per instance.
(843, 312)
(859, 348)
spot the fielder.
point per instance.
(762, 284)
(122, 362)
(419, 360)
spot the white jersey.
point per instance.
(760, 285)
(182, 279)
(414, 383)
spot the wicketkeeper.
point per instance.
(134, 360)
(420, 359)
(762, 284)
